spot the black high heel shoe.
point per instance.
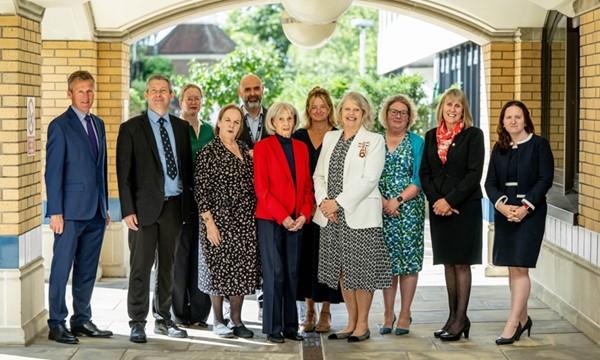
(506, 341)
(439, 332)
(448, 336)
(527, 327)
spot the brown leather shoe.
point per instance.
(324, 324)
(309, 323)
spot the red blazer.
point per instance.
(277, 198)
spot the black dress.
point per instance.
(522, 174)
(223, 185)
(308, 285)
(457, 238)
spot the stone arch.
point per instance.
(463, 23)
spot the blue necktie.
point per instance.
(164, 136)
(91, 136)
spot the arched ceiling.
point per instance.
(128, 20)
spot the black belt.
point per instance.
(169, 198)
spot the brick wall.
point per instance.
(59, 60)
(589, 121)
(20, 200)
(112, 96)
(499, 63)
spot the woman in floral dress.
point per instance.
(228, 251)
(403, 209)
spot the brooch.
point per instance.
(363, 148)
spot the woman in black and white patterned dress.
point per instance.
(352, 250)
(228, 251)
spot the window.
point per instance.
(560, 106)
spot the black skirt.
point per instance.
(456, 239)
(518, 244)
(308, 285)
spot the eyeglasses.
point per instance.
(398, 113)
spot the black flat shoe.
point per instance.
(242, 331)
(339, 336)
(138, 334)
(293, 336)
(448, 336)
(506, 341)
(275, 338)
(362, 337)
(62, 335)
(90, 329)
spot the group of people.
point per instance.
(324, 213)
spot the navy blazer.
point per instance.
(535, 172)
(76, 183)
(459, 179)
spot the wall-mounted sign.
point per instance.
(30, 126)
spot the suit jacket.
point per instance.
(459, 179)
(140, 173)
(535, 172)
(76, 183)
(360, 198)
(246, 135)
(277, 195)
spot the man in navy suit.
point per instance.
(76, 186)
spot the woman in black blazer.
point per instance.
(450, 175)
(520, 174)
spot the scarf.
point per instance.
(445, 137)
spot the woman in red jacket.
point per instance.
(284, 204)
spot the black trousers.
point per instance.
(156, 241)
(279, 255)
(190, 305)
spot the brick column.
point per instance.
(499, 67)
(21, 270)
(112, 103)
(528, 73)
(589, 122)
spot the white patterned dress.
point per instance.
(360, 254)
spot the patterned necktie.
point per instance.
(91, 135)
(164, 136)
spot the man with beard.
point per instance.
(251, 93)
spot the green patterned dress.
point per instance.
(403, 234)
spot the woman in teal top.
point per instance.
(190, 101)
(403, 208)
(190, 305)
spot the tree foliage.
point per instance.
(256, 25)
(220, 81)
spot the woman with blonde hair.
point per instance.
(352, 252)
(319, 115)
(450, 173)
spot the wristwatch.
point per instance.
(400, 199)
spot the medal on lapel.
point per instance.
(363, 149)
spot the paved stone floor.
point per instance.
(552, 337)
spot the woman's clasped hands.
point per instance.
(294, 225)
(513, 213)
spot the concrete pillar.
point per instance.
(22, 315)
